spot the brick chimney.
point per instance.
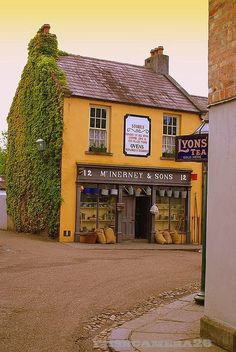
(158, 62)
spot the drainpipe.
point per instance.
(200, 297)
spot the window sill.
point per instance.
(98, 153)
(167, 158)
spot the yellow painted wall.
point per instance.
(75, 136)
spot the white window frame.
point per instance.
(98, 144)
(169, 132)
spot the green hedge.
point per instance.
(33, 179)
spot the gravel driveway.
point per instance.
(57, 297)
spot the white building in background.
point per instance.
(219, 322)
(3, 210)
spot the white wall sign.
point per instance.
(137, 135)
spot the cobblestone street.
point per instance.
(59, 297)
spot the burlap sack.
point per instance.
(110, 236)
(176, 238)
(101, 238)
(183, 238)
(159, 238)
(167, 237)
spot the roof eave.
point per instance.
(134, 103)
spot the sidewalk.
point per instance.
(136, 245)
(170, 328)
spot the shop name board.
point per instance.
(94, 174)
(192, 148)
(137, 131)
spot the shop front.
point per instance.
(121, 198)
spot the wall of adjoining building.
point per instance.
(222, 53)
(219, 322)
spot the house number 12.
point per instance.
(183, 177)
(88, 173)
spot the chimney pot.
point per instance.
(159, 50)
(45, 28)
(152, 52)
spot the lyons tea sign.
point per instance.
(191, 148)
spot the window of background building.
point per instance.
(170, 131)
(98, 129)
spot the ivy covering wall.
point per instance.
(33, 177)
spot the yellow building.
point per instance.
(120, 122)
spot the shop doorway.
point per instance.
(142, 217)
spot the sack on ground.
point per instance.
(167, 237)
(159, 238)
(110, 236)
(101, 236)
(176, 238)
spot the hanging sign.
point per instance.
(137, 133)
(193, 147)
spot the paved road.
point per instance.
(49, 290)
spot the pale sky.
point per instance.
(119, 30)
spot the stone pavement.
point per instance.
(169, 328)
(136, 245)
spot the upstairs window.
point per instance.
(98, 129)
(170, 131)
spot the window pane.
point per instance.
(92, 122)
(97, 134)
(174, 131)
(166, 120)
(169, 130)
(103, 123)
(174, 121)
(168, 144)
(104, 113)
(102, 134)
(97, 123)
(92, 112)
(98, 112)
(91, 137)
(164, 130)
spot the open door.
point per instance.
(142, 217)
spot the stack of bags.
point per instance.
(167, 237)
(105, 236)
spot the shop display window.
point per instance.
(172, 212)
(97, 210)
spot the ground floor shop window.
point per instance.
(97, 208)
(172, 211)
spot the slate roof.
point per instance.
(124, 83)
(201, 101)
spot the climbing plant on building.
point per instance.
(33, 182)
